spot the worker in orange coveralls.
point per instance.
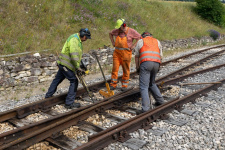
(123, 51)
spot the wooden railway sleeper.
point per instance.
(21, 113)
(35, 108)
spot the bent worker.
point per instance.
(148, 54)
(123, 51)
(69, 63)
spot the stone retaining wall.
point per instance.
(27, 69)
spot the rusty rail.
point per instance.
(44, 129)
(189, 66)
(180, 78)
(121, 131)
(46, 104)
(39, 131)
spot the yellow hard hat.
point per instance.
(119, 22)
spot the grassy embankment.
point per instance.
(37, 25)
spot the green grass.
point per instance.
(43, 89)
(37, 25)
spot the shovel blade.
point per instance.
(105, 94)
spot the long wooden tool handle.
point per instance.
(100, 67)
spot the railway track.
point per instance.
(27, 134)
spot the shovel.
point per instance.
(107, 93)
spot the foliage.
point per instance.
(211, 10)
(39, 25)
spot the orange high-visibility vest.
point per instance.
(150, 50)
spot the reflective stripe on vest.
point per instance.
(150, 50)
(146, 52)
(66, 60)
(122, 48)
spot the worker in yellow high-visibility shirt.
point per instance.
(69, 63)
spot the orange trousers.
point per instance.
(123, 58)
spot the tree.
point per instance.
(211, 10)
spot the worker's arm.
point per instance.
(137, 62)
(134, 45)
(137, 48)
(136, 36)
(161, 50)
(112, 39)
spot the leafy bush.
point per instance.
(211, 10)
(214, 34)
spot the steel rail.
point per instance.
(7, 136)
(12, 135)
(41, 130)
(172, 81)
(180, 78)
(121, 131)
(182, 57)
(189, 66)
(18, 134)
(45, 104)
(56, 128)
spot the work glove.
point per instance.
(80, 72)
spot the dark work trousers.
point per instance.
(148, 71)
(60, 76)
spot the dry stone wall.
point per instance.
(36, 68)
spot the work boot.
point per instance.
(138, 112)
(112, 88)
(158, 104)
(73, 105)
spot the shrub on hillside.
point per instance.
(211, 10)
(214, 34)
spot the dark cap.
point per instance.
(144, 34)
(85, 32)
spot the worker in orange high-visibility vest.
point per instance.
(123, 51)
(148, 54)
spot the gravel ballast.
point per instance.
(202, 126)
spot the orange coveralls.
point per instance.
(121, 56)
